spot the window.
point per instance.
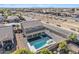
(30, 36)
(35, 35)
(0, 45)
(39, 34)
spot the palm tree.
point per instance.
(45, 51)
(23, 51)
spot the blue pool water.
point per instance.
(40, 42)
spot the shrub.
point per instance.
(45, 51)
(23, 51)
(62, 45)
(73, 37)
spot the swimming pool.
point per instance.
(39, 41)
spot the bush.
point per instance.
(45, 51)
(73, 37)
(23, 51)
(62, 45)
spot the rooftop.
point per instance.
(6, 33)
(12, 18)
(1, 17)
(31, 24)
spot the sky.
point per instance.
(39, 5)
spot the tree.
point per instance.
(63, 47)
(23, 51)
(73, 37)
(45, 51)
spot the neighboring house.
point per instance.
(6, 38)
(13, 11)
(13, 19)
(1, 18)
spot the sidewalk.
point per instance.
(20, 41)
